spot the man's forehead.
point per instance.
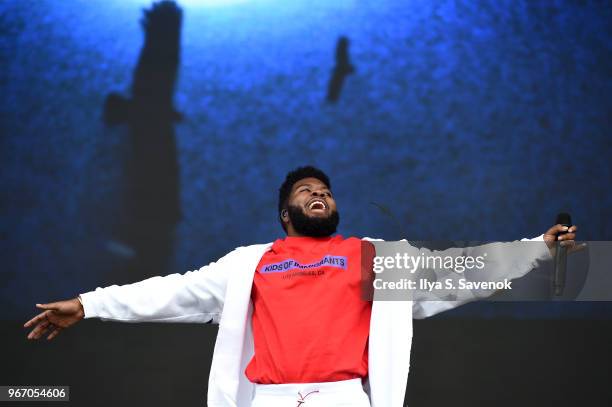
(309, 181)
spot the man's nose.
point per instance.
(317, 193)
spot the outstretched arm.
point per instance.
(195, 296)
(505, 261)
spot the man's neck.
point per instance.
(295, 234)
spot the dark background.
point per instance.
(127, 155)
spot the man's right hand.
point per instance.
(57, 316)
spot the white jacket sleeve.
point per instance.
(506, 260)
(195, 296)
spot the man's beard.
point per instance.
(313, 226)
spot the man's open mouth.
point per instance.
(317, 205)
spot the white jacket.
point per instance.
(221, 293)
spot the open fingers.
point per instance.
(38, 318)
(39, 331)
(56, 330)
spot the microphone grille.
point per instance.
(564, 218)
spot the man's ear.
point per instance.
(284, 214)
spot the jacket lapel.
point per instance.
(227, 385)
(389, 352)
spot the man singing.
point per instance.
(294, 328)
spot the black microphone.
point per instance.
(561, 256)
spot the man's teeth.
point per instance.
(316, 205)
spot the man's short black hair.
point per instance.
(294, 176)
